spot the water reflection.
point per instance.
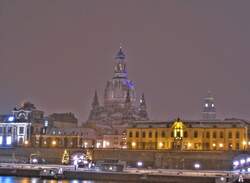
(11, 179)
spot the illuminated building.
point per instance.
(14, 133)
(16, 129)
(216, 135)
(114, 141)
(119, 106)
(66, 138)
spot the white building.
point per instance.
(13, 133)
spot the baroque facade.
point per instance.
(202, 135)
(119, 104)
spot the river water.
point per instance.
(12, 179)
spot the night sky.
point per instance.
(55, 53)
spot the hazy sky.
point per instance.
(55, 53)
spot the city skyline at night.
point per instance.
(56, 55)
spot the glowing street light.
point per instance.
(197, 166)
(160, 144)
(85, 144)
(133, 144)
(139, 164)
(53, 142)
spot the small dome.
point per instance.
(120, 54)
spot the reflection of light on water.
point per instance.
(6, 179)
(25, 180)
(12, 179)
(83, 181)
(34, 180)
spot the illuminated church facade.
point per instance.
(119, 103)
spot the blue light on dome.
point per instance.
(11, 118)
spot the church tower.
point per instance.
(118, 107)
(120, 66)
(208, 108)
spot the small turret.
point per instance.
(143, 108)
(95, 102)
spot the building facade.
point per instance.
(231, 134)
(65, 138)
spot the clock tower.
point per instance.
(208, 108)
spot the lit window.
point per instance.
(21, 130)
(212, 105)
(8, 140)
(1, 140)
(206, 105)
(133, 144)
(46, 123)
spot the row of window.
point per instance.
(163, 134)
(200, 146)
(4, 130)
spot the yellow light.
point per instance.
(248, 142)
(45, 142)
(214, 144)
(26, 142)
(221, 145)
(105, 143)
(244, 142)
(133, 144)
(53, 142)
(98, 144)
(189, 144)
(160, 144)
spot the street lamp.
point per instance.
(139, 164)
(197, 166)
(133, 144)
(53, 142)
